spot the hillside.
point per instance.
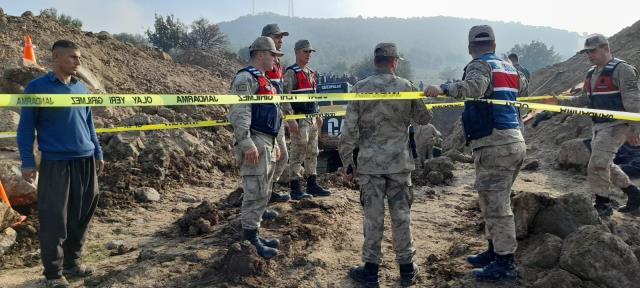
(562, 76)
(430, 43)
(120, 67)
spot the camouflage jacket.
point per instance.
(380, 129)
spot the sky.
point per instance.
(135, 16)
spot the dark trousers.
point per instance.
(67, 200)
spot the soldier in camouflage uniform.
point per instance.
(276, 75)
(255, 127)
(380, 129)
(498, 147)
(611, 84)
(300, 79)
(426, 137)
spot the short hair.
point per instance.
(383, 60)
(513, 57)
(64, 44)
(481, 47)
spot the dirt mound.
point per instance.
(223, 64)
(120, 67)
(563, 76)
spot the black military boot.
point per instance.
(296, 192)
(483, 259)
(603, 206)
(367, 275)
(272, 243)
(263, 250)
(408, 274)
(314, 189)
(503, 268)
(633, 199)
(269, 214)
(278, 198)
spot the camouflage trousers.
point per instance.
(601, 172)
(399, 194)
(256, 181)
(281, 163)
(424, 147)
(304, 149)
(496, 170)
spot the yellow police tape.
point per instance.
(132, 100)
(55, 100)
(119, 100)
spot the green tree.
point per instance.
(169, 33)
(204, 36)
(63, 19)
(365, 68)
(535, 55)
(135, 39)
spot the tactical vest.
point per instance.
(275, 76)
(480, 118)
(606, 95)
(265, 117)
(305, 86)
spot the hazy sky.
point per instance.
(590, 16)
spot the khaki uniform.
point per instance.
(256, 179)
(380, 129)
(426, 137)
(281, 164)
(608, 137)
(498, 158)
(304, 145)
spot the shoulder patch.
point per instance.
(242, 87)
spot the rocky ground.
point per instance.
(168, 214)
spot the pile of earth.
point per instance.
(563, 243)
(136, 159)
(301, 225)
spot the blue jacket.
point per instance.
(64, 133)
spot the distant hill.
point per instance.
(432, 44)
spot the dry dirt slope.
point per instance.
(120, 67)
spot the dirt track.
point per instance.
(445, 221)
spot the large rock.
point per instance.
(628, 229)
(119, 148)
(564, 215)
(558, 279)
(19, 191)
(526, 206)
(544, 253)
(147, 194)
(438, 170)
(7, 216)
(7, 240)
(601, 257)
(574, 154)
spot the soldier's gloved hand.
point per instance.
(633, 139)
(433, 91)
(252, 156)
(293, 127)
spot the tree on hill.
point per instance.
(169, 33)
(204, 36)
(535, 55)
(63, 19)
